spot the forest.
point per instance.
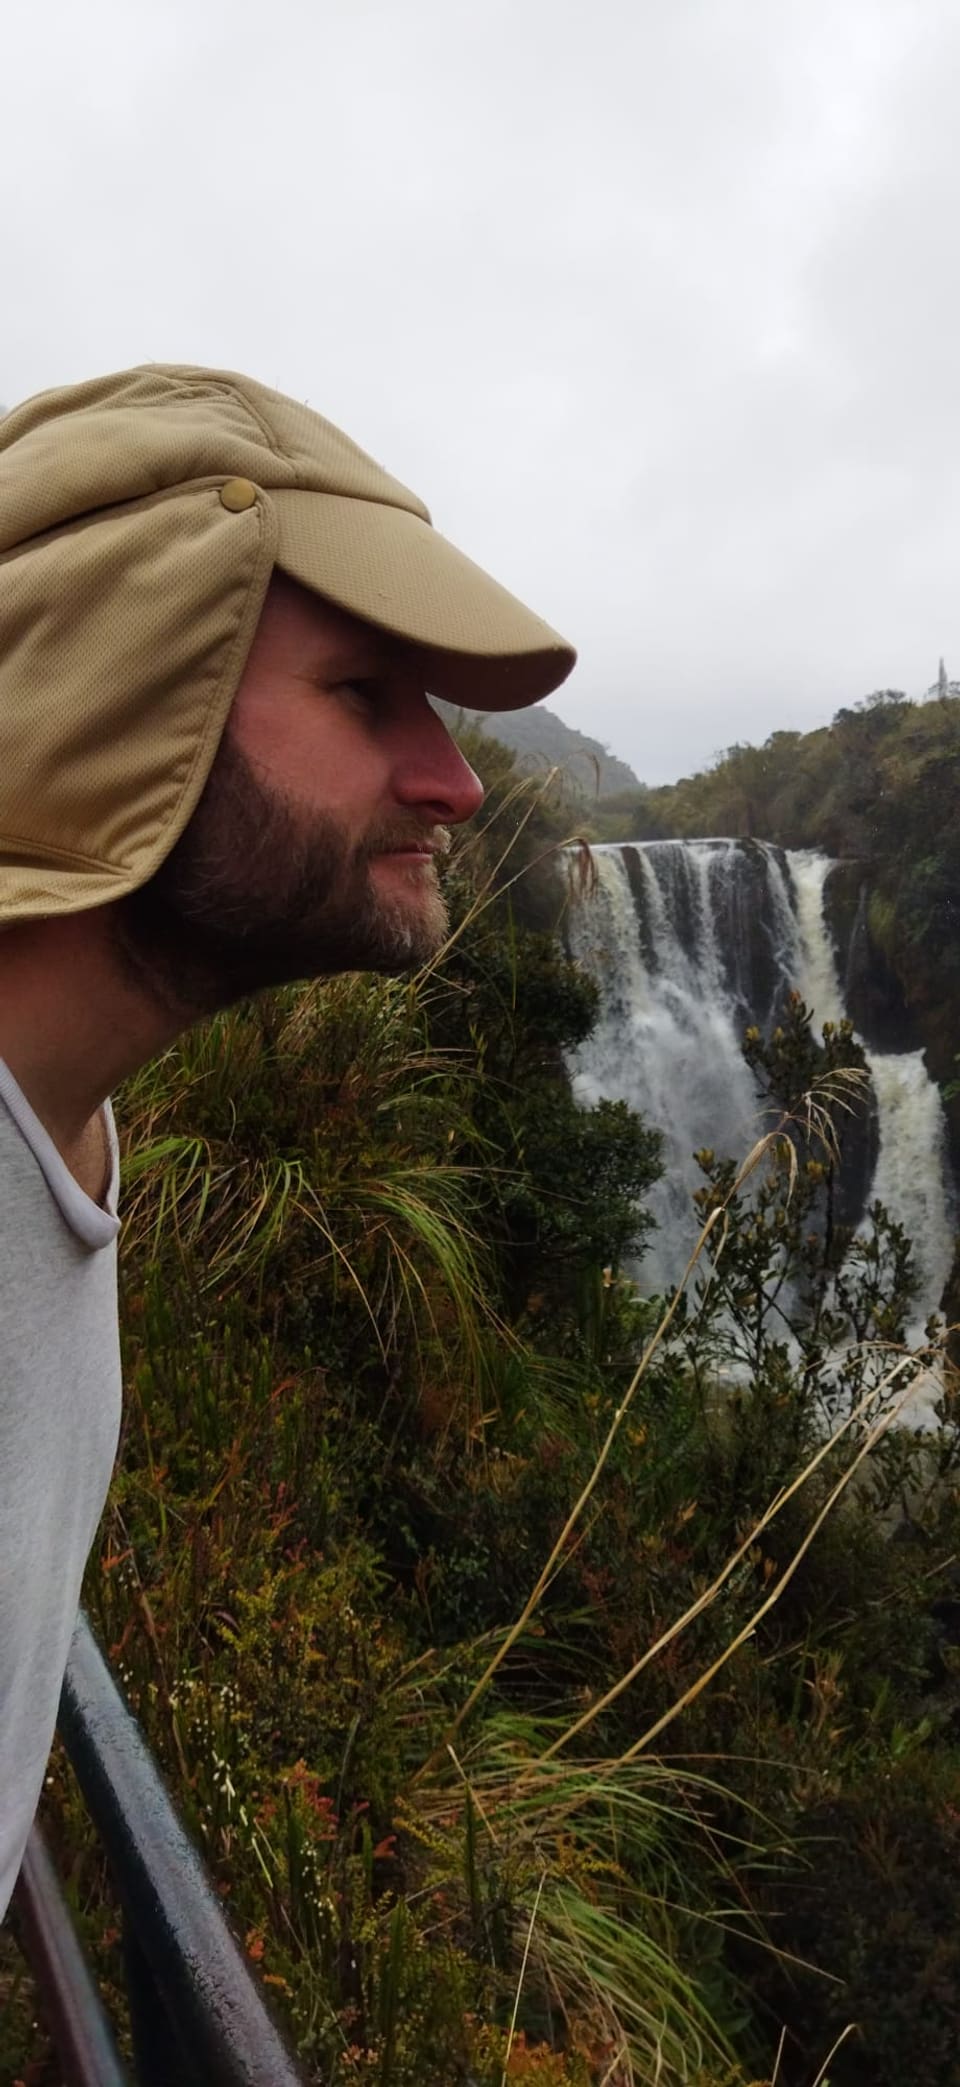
(562, 1684)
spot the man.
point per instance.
(219, 770)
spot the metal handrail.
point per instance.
(77, 2018)
(197, 2014)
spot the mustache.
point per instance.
(396, 834)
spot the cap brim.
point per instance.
(388, 566)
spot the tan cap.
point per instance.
(141, 516)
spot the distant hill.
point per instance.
(542, 740)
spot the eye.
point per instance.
(364, 688)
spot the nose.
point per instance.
(430, 773)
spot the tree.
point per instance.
(802, 1304)
(943, 688)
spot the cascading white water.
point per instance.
(690, 941)
(911, 1178)
(665, 1039)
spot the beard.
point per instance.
(259, 891)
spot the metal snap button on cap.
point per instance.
(237, 494)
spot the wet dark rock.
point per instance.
(875, 996)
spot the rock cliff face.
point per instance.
(876, 997)
(894, 1001)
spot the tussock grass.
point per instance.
(812, 1111)
(381, 1518)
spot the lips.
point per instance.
(418, 847)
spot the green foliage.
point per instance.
(793, 1295)
(562, 1186)
(381, 1365)
(878, 1895)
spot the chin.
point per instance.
(410, 934)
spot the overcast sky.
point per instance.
(655, 302)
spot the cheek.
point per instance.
(314, 754)
(268, 733)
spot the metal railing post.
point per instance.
(72, 2007)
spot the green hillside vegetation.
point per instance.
(847, 788)
(541, 741)
(552, 1700)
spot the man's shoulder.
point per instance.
(18, 1166)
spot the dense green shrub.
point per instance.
(875, 1901)
(399, 1551)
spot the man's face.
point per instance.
(314, 846)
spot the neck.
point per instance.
(71, 1027)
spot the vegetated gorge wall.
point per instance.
(692, 941)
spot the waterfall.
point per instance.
(667, 1037)
(689, 942)
(911, 1178)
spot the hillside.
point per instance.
(418, 1542)
(542, 740)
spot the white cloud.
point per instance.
(655, 305)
